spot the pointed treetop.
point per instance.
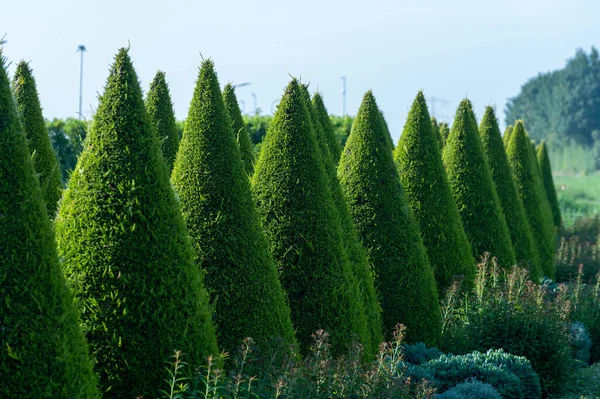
(323, 116)
(239, 128)
(548, 182)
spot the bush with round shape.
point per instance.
(518, 226)
(548, 182)
(428, 193)
(294, 202)
(419, 353)
(474, 190)
(43, 352)
(228, 241)
(371, 185)
(581, 342)
(125, 249)
(44, 160)
(239, 128)
(471, 389)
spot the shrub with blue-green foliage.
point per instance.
(580, 342)
(472, 389)
(419, 353)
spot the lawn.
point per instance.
(578, 195)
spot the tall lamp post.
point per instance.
(82, 50)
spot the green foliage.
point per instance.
(419, 353)
(506, 136)
(323, 117)
(229, 244)
(516, 220)
(66, 137)
(529, 188)
(444, 132)
(342, 125)
(428, 193)
(581, 343)
(354, 251)
(471, 389)
(294, 203)
(546, 171)
(474, 190)
(160, 112)
(43, 353)
(125, 249)
(239, 130)
(436, 131)
(387, 228)
(44, 160)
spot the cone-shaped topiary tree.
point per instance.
(518, 227)
(436, 131)
(444, 132)
(353, 248)
(294, 202)
(238, 127)
(44, 160)
(506, 137)
(521, 160)
(474, 190)
(548, 182)
(43, 353)
(162, 117)
(369, 178)
(228, 240)
(125, 248)
(428, 193)
(322, 116)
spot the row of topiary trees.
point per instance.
(307, 237)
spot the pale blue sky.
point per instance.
(451, 49)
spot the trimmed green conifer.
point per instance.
(436, 131)
(523, 167)
(428, 193)
(516, 220)
(239, 128)
(506, 137)
(228, 241)
(294, 203)
(322, 116)
(371, 184)
(44, 159)
(474, 190)
(444, 132)
(125, 248)
(43, 353)
(548, 181)
(353, 248)
(160, 111)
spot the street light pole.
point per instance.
(343, 95)
(82, 50)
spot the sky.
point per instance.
(475, 49)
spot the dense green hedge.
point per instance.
(436, 132)
(516, 220)
(228, 241)
(44, 161)
(125, 249)
(428, 193)
(506, 137)
(43, 353)
(238, 127)
(474, 190)
(372, 188)
(294, 202)
(548, 182)
(323, 117)
(160, 111)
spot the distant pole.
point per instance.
(254, 101)
(82, 50)
(343, 95)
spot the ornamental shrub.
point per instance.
(436, 131)
(239, 128)
(444, 132)
(428, 193)
(294, 203)
(518, 227)
(43, 353)
(524, 170)
(371, 185)
(160, 112)
(581, 342)
(506, 136)
(44, 160)
(125, 249)
(419, 353)
(548, 182)
(228, 241)
(323, 117)
(471, 389)
(474, 190)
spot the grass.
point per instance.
(578, 195)
(585, 384)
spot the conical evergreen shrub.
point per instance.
(444, 132)
(162, 117)
(523, 167)
(474, 190)
(125, 248)
(227, 238)
(516, 220)
(239, 129)
(404, 279)
(436, 131)
(322, 116)
(43, 353)
(353, 248)
(294, 203)
(428, 193)
(44, 160)
(506, 137)
(548, 181)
